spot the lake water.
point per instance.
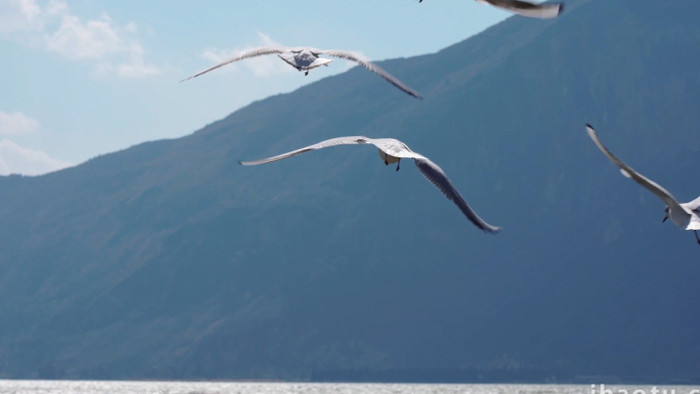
(131, 387)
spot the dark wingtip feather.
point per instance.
(494, 230)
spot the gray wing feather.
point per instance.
(626, 170)
(323, 144)
(366, 63)
(243, 55)
(529, 9)
(438, 178)
(693, 205)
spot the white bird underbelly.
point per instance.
(679, 217)
(388, 159)
(688, 220)
(304, 61)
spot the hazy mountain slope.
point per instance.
(169, 259)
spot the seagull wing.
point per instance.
(693, 205)
(366, 63)
(627, 171)
(524, 8)
(242, 55)
(437, 177)
(323, 144)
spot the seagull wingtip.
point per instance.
(489, 228)
(493, 230)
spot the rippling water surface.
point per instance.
(131, 387)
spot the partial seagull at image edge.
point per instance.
(685, 216)
(524, 8)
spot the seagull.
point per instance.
(392, 151)
(306, 59)
(686, 215)
(524, 8)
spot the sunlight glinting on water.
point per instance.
(155, 387)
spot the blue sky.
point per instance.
(83, 78)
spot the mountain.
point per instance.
(169, 260)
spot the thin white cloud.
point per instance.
(16, 123)
(18, 16)
(260, 66)
(131, 27)
(91, 40)
(114, 49)
(136, 69)
(15, 159)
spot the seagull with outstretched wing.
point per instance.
(685, 215)
(307, 58)
(392, 151)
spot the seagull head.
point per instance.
(666, 216)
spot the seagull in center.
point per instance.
(685, 215)
(392, 151)
(307, 58)
(525, 8)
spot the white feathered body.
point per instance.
(303, 60)
(392, 150)
(689, 218)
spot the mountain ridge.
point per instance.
(169, 260)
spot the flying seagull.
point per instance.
(684, 215)
(524, 8)
(392, 151)
(306, 58)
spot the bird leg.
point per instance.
(696, 236)
(307, 72)
(398, 165)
